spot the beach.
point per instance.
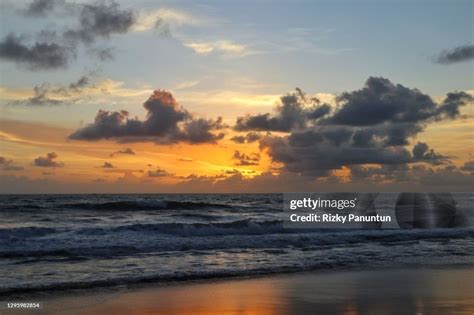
(398, 291)
(223, 254)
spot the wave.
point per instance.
(61, 286)
(124, 205)
(25, 232)
(240, 227)
(342, 264)
(151, 244)
(143, 205)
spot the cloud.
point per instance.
(422, 152)
(455, 55)
(370, 126)
(107, 165)
(246, 160)
(200, 48)
(127, 151)
(166, 123)
(48, 161)
(39, 56)
(468, 166)
(185, 160)
(158, 173)
(42, 7)
(248, 138)
(98, 20)
(380, 101)
(163, 19)
(9, 165)
(224, 47)
(294, 111)
(45, 94)
(187, 84)
(101, 19)
(103, 54)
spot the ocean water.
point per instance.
(82, 241)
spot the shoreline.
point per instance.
(437, 290)
(86, 288)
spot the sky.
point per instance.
(248, 96)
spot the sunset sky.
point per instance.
(248, 96)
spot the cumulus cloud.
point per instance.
(8, 165)
(381, 101)
(455, 55)
(166, 123)
(48, 161)
(422, 152)
(158, 173)
(246, 160)
(127, 151)
(107, 165)
(38, 56)
(248, 138)
(294, 111)
(373, 125)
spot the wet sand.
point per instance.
(407, 291)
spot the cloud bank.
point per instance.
(371, 126)
(166, 123)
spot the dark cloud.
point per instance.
(294, 111)
(231, 172)
(380, 101)
(8, 165)
(248, 138)
(468, 166)
(452, 103)
(422, 152)
(128, 151)
(101, 19)
(40, 98)
(48, 161)
(79, 84)
(246, 160)
(55, 49)
(320, 158)
(107, 165)
(166, 123)
(158, 173)
(45, 94)
(103, 54)
(95, 21)
(370, 126)
(319, 111)
(455, 55)
(238, 139)
(392, 172)
(39, 56)
(42, 7)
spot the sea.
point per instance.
(60, 242)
